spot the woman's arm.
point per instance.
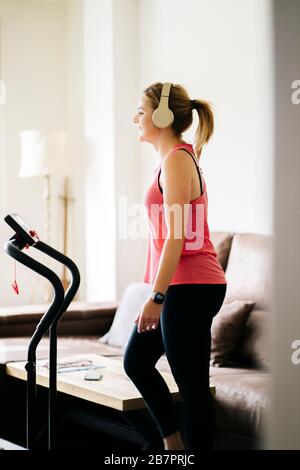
(177, 185)
(168, 262)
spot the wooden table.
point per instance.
(111, 405)
(115, 390)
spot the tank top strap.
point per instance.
(180, 147)
(197, 166)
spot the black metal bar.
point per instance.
(13, 248)
(75, 282)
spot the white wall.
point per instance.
(102, 87)
(129, 252)
(33, 57)
(222, 52)
(99, 221)
(75, 130)
(76, 69)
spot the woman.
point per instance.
(188, 282)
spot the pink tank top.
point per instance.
(198, 263)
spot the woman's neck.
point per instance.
(164, 148)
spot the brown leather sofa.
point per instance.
(242, 397)
(241, 384)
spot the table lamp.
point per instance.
(44, 153)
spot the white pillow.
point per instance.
(131, 303)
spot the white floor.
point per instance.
(6, 445)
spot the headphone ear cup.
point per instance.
(162, 117)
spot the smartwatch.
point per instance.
(157, 297)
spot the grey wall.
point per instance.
(284, 430)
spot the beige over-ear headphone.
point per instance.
(163, 117)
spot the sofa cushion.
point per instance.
(253, 348)
(130, 305)
(226, 329)
(242, 400)
(222, 244)
(249, 271)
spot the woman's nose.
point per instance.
(135, 118)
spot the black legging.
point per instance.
(184, 335)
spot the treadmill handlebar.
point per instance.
(24, 233)
(23, 238)
(61, 301)
(12, 248)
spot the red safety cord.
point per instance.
(15, 284)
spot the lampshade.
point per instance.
(43, 153)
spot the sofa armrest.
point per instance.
(81, 318)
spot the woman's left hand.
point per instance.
(148, 319)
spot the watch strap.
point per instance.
(157, 297)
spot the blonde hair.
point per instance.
(182, 107)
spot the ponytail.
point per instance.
(205, 127)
